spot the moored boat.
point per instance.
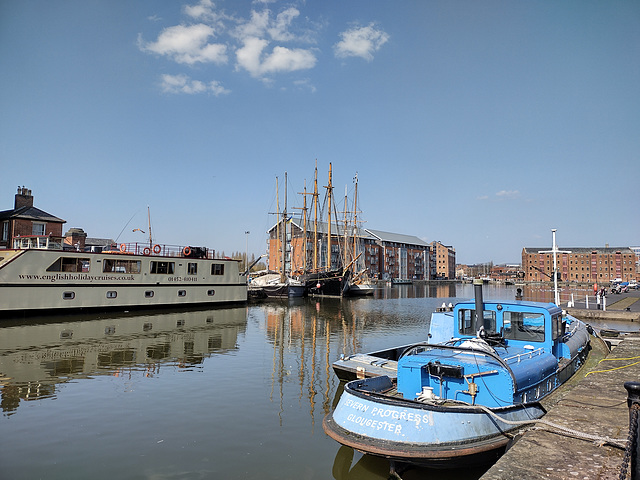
(39, 276)
(467, 390)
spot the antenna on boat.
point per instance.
(149, 217)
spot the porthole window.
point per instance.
(182, 293)
(112, 294)
(66, 334)
(68, 295)
(180, 323)
(147, 327)
(211, 293)
(148, 294)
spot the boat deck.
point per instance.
(361, 365)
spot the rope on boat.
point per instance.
(600, 440)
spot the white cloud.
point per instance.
(281, 59)
(501, 195)
(183, 84)
(360, 42)
(507, 194)
(188, 44)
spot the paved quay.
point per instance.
(619, 307)
(597, 406)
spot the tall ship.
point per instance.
(38, 275)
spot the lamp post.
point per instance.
(246, 252)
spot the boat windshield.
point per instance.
(525, 326)
(466, 321)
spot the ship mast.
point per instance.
(284, 232)
(329, 189)
(315, 220)
(355, 219)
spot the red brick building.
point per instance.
(588, 265)
(26, 220)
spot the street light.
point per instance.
(246, 253)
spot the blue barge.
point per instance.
(466, 391)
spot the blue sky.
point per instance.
(482, 125)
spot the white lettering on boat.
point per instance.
(377, 417)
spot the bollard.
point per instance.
(604, 303)
(586, 301)
(632, 452)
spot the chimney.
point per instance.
(23, 198)
(76, 238)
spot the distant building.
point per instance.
(25, 220)
(444, 261)
(585, 265)
(385, 255)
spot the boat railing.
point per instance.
(38, 242)
(528, 354)
(51, 242)
(161, 250)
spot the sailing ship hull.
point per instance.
(53, 281)
(332, 283)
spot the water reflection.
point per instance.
(38, 355)
(236, 393)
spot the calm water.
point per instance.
(222, 393)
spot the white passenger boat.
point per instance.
(38, 275)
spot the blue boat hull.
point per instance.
(412, 431)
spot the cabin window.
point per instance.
(192, 268)
(525, 326)
(113, 265)
(182, 293)
(148, 294)
(69, 264)
(112, 294)
(558, 326)
(466, 321)
(166, 268)
(217, 269)
(68, 295)
(211, 293)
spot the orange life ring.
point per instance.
(123, 247)
(186, 251)
(157, 248)
(146, 251)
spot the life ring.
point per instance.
(157, 248)
(123, 247)
(146, 251)
(186, 251)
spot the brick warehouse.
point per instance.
(581, 265)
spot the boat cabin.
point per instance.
(514, 352)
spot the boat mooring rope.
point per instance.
(600, 440)
(616, 368)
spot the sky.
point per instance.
(482, 125)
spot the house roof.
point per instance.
(30, 213)
(580, 250)
(397, 238)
